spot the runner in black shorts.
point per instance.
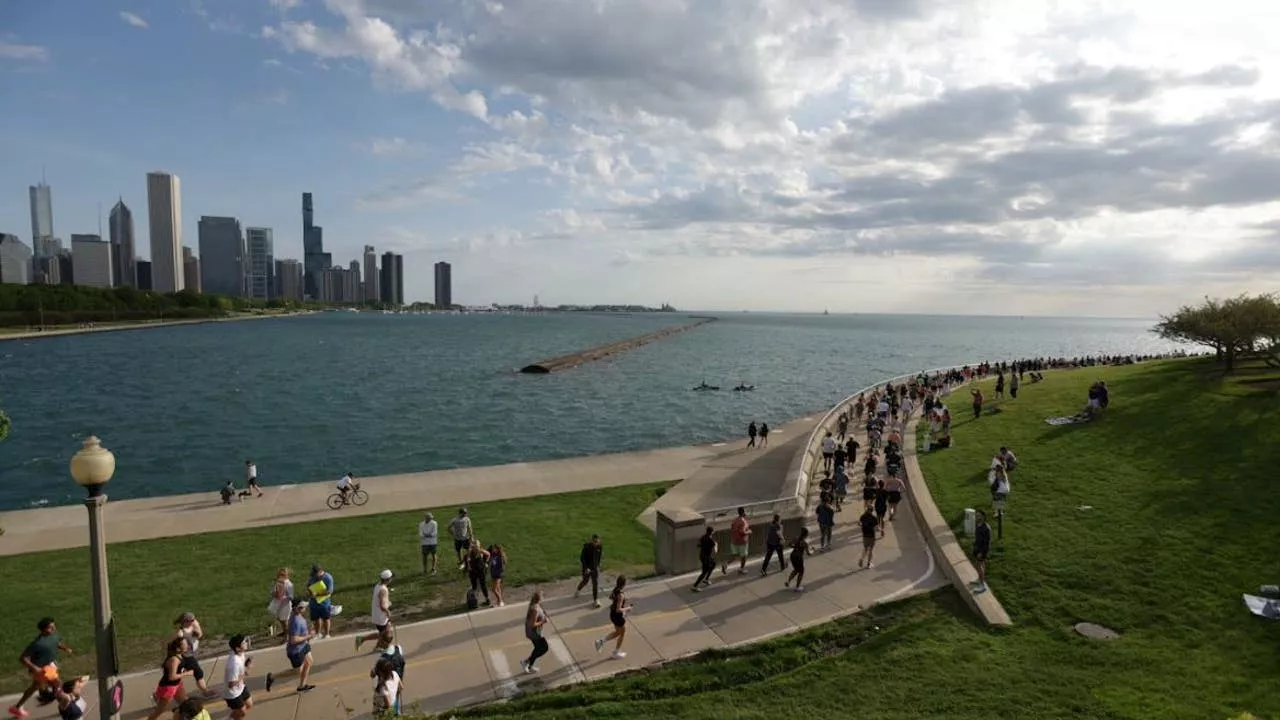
(868, 523)
(799, 549)
(618, 609)
(881, 504)
(869, 488)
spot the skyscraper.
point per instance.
(15, 260)
(444, 285)
(90, 261)
(144, 273)
(164, 212)
(222, 256)
(191, 271)
(288, 280)
(124, 255)
(399, 279)
(41, 214)
(371, 284)
(260, 266)
(392, 279)
(314, 259)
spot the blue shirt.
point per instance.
(327, 579)
(826, 516)
(297, 626)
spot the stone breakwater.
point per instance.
(573, 360)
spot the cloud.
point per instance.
(133, 19)
(28, 53)
(285, 5)
(392, 147)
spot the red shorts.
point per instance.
(167, 692)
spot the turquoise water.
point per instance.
(311, 397)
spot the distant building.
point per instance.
(190, 270)
(66, 268)
(288, 280)
(15, 260)
(91, 261)
(46, 270)
(222, 256)
(143, 268)
(399, 279)
(372, 286)
(47, 246)
(392, 280)
(123, 252)
(314, 259)
(164, 212)
(41, 214)
(260, 263)
(340, 285)
(444, 285)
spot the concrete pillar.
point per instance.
(676, 540)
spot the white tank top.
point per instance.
(193, 643)
(380, 617)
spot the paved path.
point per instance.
(7, 334)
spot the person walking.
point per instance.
(477, 564)
(764, 435)
(739, 539)
(535, 619)
(751, 434)
(387, 689)
(881, 505)
(981, 551)
(281, 605)
(868, 525)
(707, 547)
(297, 648)
(236, 691)
(851, 451)
(774, 542)
(619, 608)
(251, 477)
(977, 403)
(429, 537)
(497, 568)
(380, 612)
(841, 487)
(826, 523)
(461, 530)
(999, 385)
(320, 585)
(828, 452)
(799, 550)
(591, 556)
(188, 628)
(1014, 383)
(170, 690)
(39, 661)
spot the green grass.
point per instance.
(1185, 517)
(225, 578)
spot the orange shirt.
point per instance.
(739, 530)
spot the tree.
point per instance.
(1233, 327)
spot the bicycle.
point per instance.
(356, 497)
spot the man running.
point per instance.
(826, 524)
(251, 475)
(38, 659)
(236, 693)
(592, 554)
(828, 452)
(707, 547)
(297, 648)
(429, 535)
(774, 542)
(739, 537)
(320, 584)
(380, 610)
(868, 523)
(460, 528)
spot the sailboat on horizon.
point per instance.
(826, 311)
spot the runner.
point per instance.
(460, 528)
(320, 585)
(478, 569)
(429, 535)
(236, 693)
(592, 554)
(739, 537)
(380, 611)
(188, 628)
(851, 451)
(170, 690)
(774, 542)
(707, 547)
(70, 698)
(881, 505)
(981, 551)
(619, 608)
(534, 620)
(799, 549)
(251, 475)
(895, 486)
(826, 524)
(387, 689)
(842, 487)
(497, 568)
(297, 648)
(828, 452)
(868, 524)
(281, 605)
(764, 435)
(38, 659)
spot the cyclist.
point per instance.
(346, 485)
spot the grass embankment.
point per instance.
(225, 578)
(1184, 519)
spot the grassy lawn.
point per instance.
(1184, 519)
(225, 578)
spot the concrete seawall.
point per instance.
(145, 325)
(573, 360)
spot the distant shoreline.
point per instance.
(141, 325)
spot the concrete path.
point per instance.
(11, 334)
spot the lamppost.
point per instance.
(92, 467)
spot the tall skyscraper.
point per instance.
(288, 280)
(15, 260)
(260, 251)
(444, 285)
(164, 212)
(41, 214)
(90, 261)
(191, 271)
(124, 255)
(399, 279)
(391, 282)
(314, 259)
(143, 268)
(222, 256)
(372, 292)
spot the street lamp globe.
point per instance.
(93, 466)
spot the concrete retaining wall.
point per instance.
(573, 360)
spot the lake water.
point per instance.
(311, 397)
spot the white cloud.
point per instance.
(31, 53)
(285, 5)
(133, 19)
(392, 147)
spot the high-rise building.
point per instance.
(191, 271)
(288, 280)
(90, 261)
(444, 285)
(66, 268)
(222, 256)
(399, 279)
(314, 259)
(124, 255)
(15, 260)
(391, 281)
(260, 266)
(143, 268)
(164, 213)
(41, 214)
(372, 292)
(340, 285)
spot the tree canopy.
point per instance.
(1232, 327)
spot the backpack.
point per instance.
(396, 655)
(473, 602)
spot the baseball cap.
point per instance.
(299, 604)
(386, 575)
(187, 617)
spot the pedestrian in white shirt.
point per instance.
(429, 535)
(236, 691)
(251, 475)
(460, 528)
(380, 610)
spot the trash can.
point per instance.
(970, 521)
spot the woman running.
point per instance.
(386, 692)
(71, 704)
(894, 486)
(534, 620)
(799, 549)
(619, 607)
(881, 504)
(188, 628)
(170, 689)
(497, 567)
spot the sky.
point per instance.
(1020, 157)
